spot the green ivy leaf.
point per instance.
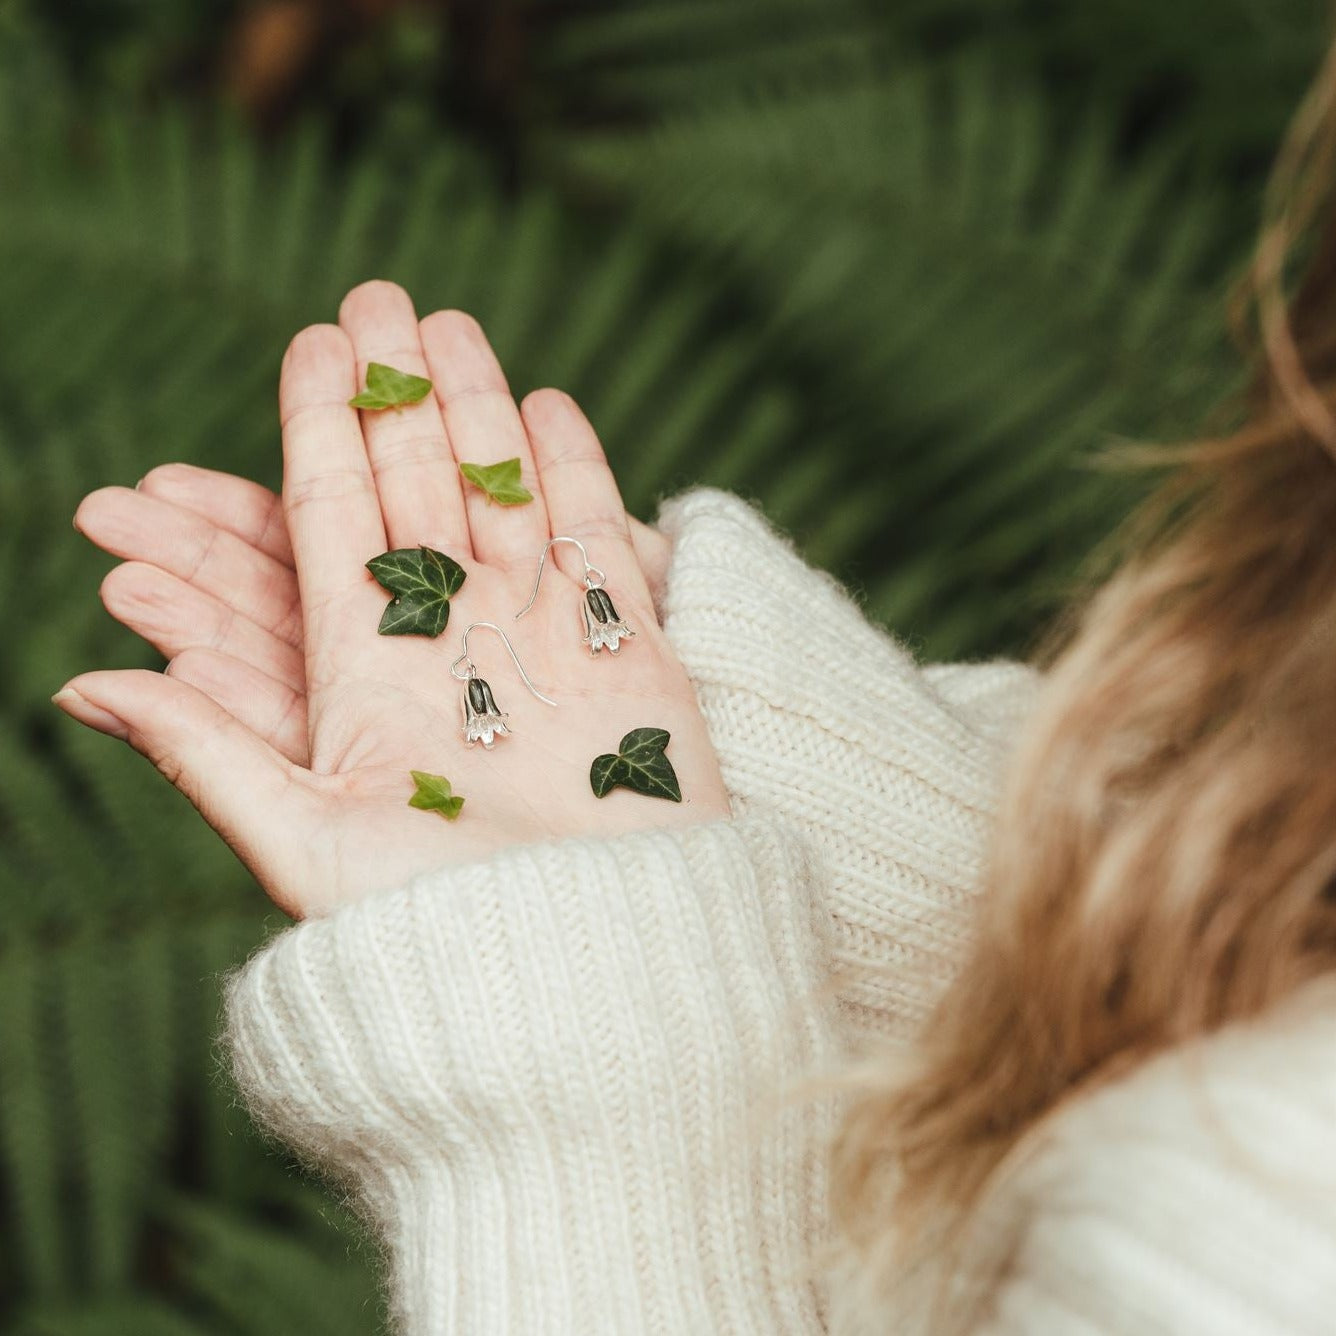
(422, 581)
(388, 388)
(640, 764)
(500, 481)
(433, 795)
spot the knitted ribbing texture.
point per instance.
(549, 1076)
(545, 1075)
(892, 768)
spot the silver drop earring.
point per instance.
(483, 720)
(603, 625)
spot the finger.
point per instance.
(421, 497)
(329, 496)
(484, 427)
(174, 616)
(129, 524)
(654, 551)
(244, 508)
(271, 709)
(242, 787)
(581, 493)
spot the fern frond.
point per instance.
(978, 295)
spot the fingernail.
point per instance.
(77, 707)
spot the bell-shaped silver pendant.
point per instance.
(603, 626)
(482, 719)
(602, 622)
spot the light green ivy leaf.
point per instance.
(500, 481)
(388, 388)
(433, 795)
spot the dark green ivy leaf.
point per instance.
(639, 764)
(500, 481)
(422, 581)
(433, 795)
(388, 388)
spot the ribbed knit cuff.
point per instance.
(545, 1074)
(891, 768)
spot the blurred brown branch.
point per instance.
(278, 46)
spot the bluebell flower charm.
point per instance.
(482, 720)
(602, 624)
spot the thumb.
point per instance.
(240, 785)
(654, 551)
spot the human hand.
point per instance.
(208, 579)
(332, 824)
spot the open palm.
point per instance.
(289, 722)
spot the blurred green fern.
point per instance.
(977, 301)
(828, 256)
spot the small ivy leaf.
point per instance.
(422, 581)
(639, 764)
(500, 481)
(433, 795)
(388, 388)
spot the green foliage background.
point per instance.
(892, 269)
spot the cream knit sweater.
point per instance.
(549, 1077)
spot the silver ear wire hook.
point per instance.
(590, 572)
(483, 718)
(472, 669)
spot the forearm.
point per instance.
(547, 1075)
(891, 768)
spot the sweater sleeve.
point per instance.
(552, 1080)
(892, 768)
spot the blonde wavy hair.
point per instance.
(1164, 856)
